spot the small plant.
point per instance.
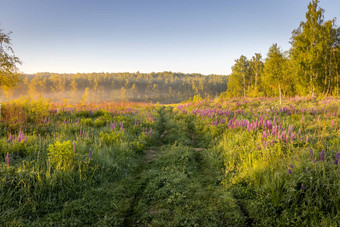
(111, 138)
(61, 155)
(99, 123)
(86, 121)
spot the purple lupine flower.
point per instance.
(336, 159)
(74, 146)
(322, 155)
(311, 154)
(7, 159)
(20, 136)
(291, 166)
(289, 171)
(90, 153)
(303, 187)
(25, 139)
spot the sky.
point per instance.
(190, 36)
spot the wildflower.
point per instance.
(303, 187)
(322, 155)
(25, 139)
(307, 170)
(74, 146)
(336, 159)
(291, 166)
(20, 137)
(289, 171)
(90, 153)
(311, 153)
(7, 159)
(307, 139)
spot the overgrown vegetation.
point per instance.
(215, 162)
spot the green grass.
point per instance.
(189, 171)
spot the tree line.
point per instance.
(163, 87)
(310, 67)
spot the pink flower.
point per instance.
(7, 159)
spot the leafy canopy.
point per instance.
(8, 61)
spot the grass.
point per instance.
(237, 162)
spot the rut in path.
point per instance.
(150, 156)
(191, 174)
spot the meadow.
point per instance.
(206, 162)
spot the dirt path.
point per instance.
(150, 156)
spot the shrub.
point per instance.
(99, 123)
(111, 138)
(86, 121)
(61, 155)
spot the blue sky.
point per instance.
(191, 36)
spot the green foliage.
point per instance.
(315, 53)
(99, 123)
(86, 122)
(276, 78)
(312, 66)
(111, 138)
(239, 79)
(8, 61)
(61, 155)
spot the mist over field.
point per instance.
(163, 87)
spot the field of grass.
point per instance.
(222, 162)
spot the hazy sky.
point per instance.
(148, 35)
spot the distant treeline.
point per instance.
(310, 67)
(163, 87)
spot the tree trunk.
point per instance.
(244, 85)
(280, 94)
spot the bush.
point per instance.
(111, 138)
(61, 155)
(86, 121)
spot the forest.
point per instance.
(163, 87)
